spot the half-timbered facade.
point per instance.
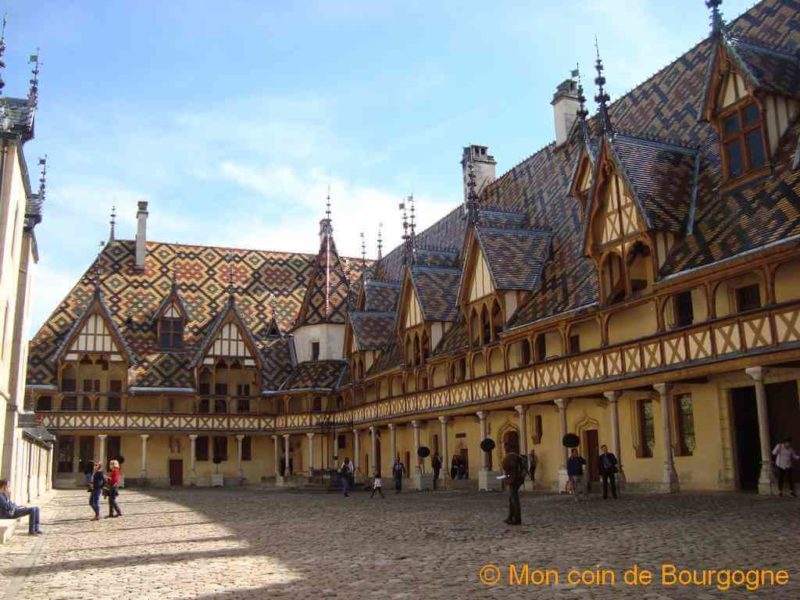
(636, 282)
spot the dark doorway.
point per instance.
(175, 472)
(745, 428)
(783, 407)
(408, 464)
(464, 463)
(511, 438)
(592, 453)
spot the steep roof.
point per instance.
(316, 375)
(261, 280)
(372, 330)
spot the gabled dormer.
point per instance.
(426, 310)
(751, 96)
(367, 335)
(170, 319)
(503, 262)
(641, 201)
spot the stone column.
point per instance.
(445, 457)
(102, 454)
(356, 452)
(286, 454)
(522, 411)
(276, 460)
(373, 450)
(417, 460)
(310, 437)
(393, 431)
(670, 477)
(562, 403)
(239, 470)
(144, 437)
(616, 448)
(193, 454)
(765, 478)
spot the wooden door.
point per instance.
(592, 454)
(175, 472)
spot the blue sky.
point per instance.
(232, 118)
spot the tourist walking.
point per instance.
(398, 471)
(9, 510)
(377, 485)
(533, 461)
(514, 470)
(96, 489)
(784, 455)
(575, 464)
(346, 472)
(112, 481)
(608, 470)
(436, 463)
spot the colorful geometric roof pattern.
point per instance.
(661, 177)
(328, 293)
(767, 69)
(436, 288)
(372, 330)
(515, 257)
(316, 375)
(264, 284)
(381, 296)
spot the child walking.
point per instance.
(377, 486)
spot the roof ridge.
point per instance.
(654, 142)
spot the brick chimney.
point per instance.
(483, 167)
(565, 108)
(141, 235)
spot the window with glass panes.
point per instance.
(170, 333)
(743, 140)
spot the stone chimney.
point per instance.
(141, 235)
(483, 167)
(565, 108)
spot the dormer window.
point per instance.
(170, 332)
(742, 140)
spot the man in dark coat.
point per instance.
(514, 470)
(608, 470)
(436, 463)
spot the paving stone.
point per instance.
(252, 543)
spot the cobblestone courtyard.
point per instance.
(253, 543)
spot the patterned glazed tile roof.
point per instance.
(16, 116)
(661, 177)
(515, 257)
(276, 354)
(436, 288)
(454, 339)
(372, 330)
(327, 296)
(770, 70)
(390, 358)
(317, 375)
(261, 280)
(381, 296)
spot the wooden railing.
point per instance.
(773, 328)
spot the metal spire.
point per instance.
(472, 197)
(582, 112)
(602, 97)
(33, 94)
(42, 178)
(2, 51)
(328, 204)
(380, 241)
(407, 254)
(717, 24)
(113, 223)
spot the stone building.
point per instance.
(635, 282)
(25, 448)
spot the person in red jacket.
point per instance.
(113, 489)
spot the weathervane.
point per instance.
(2, 51)
(33, 94)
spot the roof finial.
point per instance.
(363, 250)
(42, 178)
(33, 94)
(472, 197)
(380, 241)
(582, 112)
(113, 223)
(602, 97)
(328, 204)
(228, 259)
(407, 254)
(2, 52)
(717, 23)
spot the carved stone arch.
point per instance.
(508, 427)
(585, 424)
